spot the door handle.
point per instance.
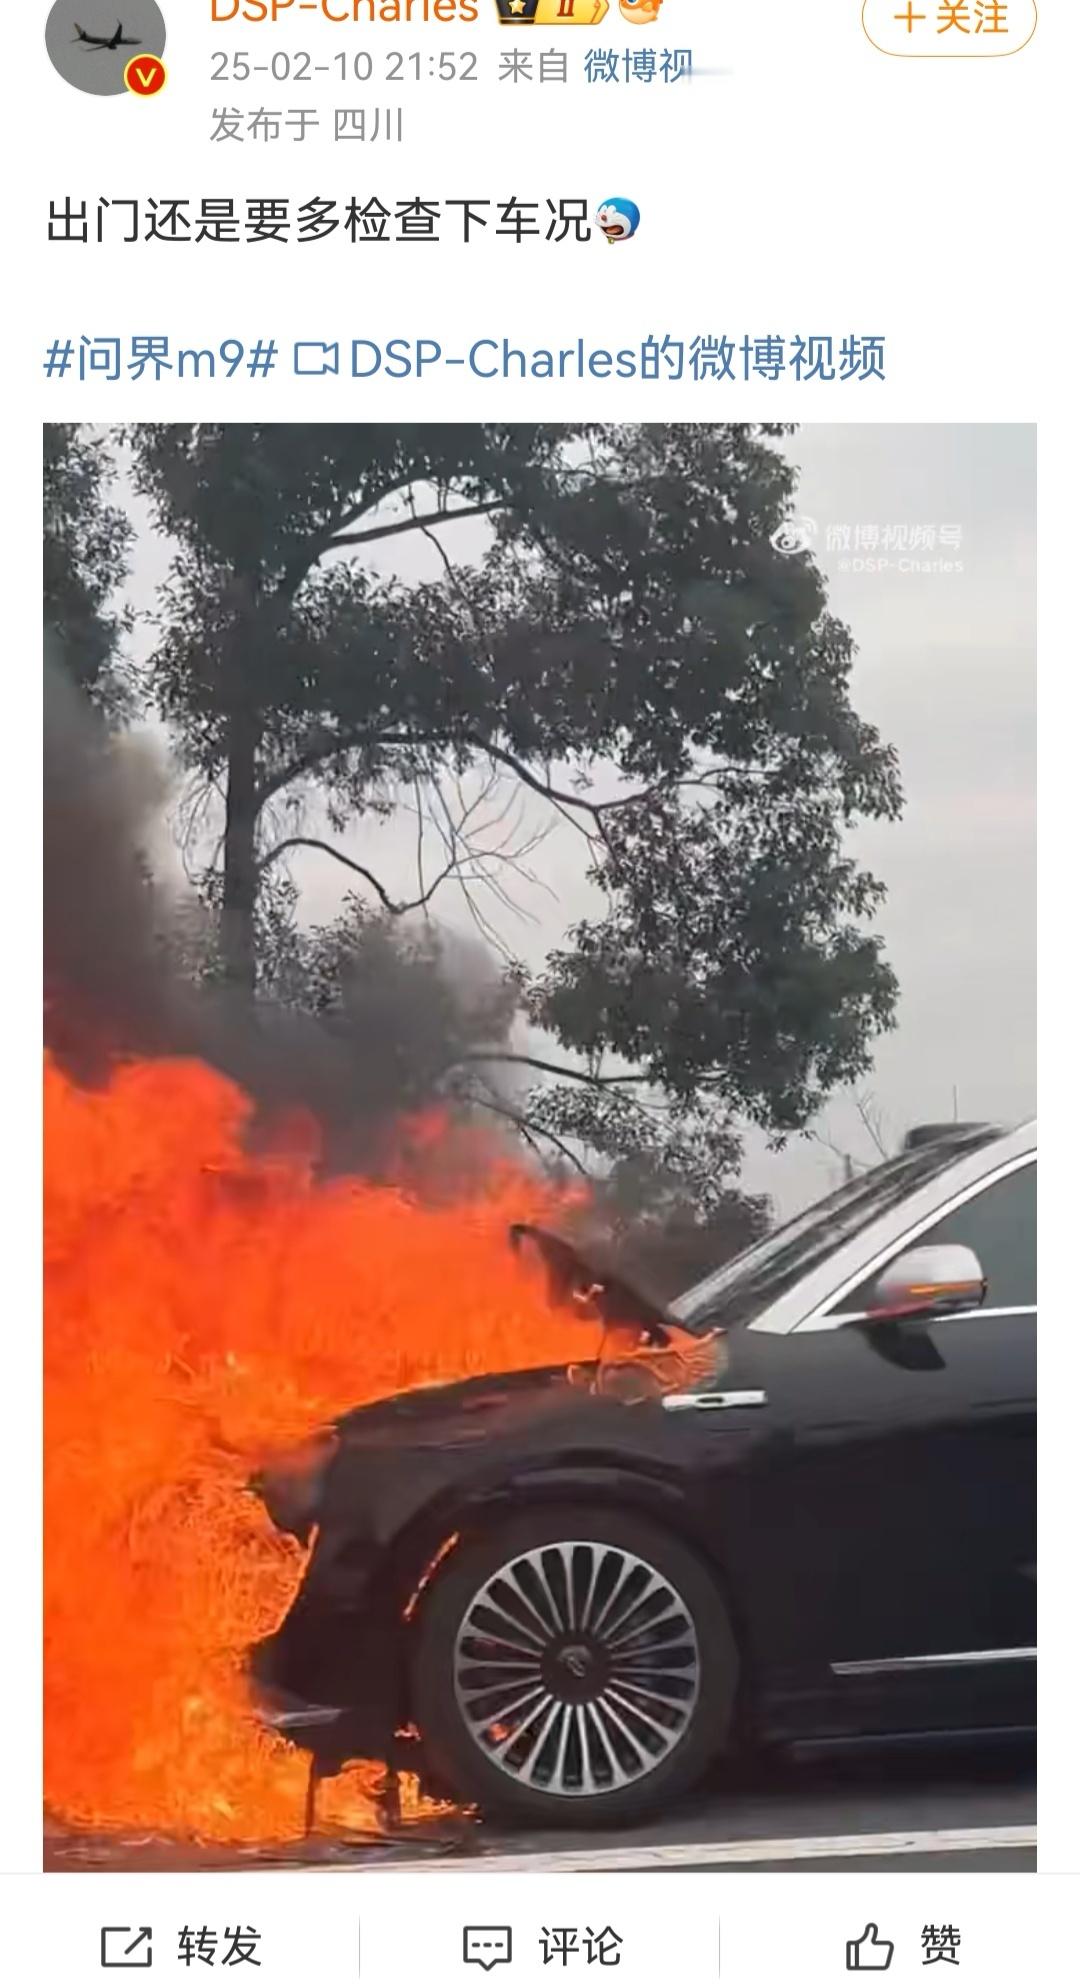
(746, 1397)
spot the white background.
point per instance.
(812, 184)
(801, 182)
(691, 1929)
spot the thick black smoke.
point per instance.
(107, 985)
(390, 1044)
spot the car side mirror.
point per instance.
(928, 1283)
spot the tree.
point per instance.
(407, 1008)
(86, 545)
(630, 645)
(664, 1210)
(654, 1230)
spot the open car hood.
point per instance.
(644, 1353)
(644, 1350)
(575, 1283)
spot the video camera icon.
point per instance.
(487, 1946)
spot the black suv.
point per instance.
(799, 1503)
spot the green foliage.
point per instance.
(653, 1229)
(628, 622)
(732, 956)
(417, 1017)
(329, 655)
(662, 1209)
(86, 547)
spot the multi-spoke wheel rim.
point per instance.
(576, 1668)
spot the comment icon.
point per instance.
(487, 1946)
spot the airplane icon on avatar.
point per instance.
(117, 40)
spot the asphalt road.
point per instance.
(910, 1809)
(932, 1809)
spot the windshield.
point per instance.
(757, 1277)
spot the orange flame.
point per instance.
(203, 1307)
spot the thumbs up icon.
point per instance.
(869, 1954)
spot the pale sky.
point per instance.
(946, 670)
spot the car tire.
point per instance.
(626, 1700)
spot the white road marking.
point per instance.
(743, 1850)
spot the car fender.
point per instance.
(424, 1546)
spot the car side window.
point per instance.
(999, 1224)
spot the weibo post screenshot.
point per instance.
(530, 1189)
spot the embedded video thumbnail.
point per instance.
(539, 1172)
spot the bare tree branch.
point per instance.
(872, 1122)
(339, 856)
(850, 1165)
(552, 1069)
(532, 1133)
(412, 524)
(333, 745)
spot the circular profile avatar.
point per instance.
(91, 42)
(618, 219)
(641, 12)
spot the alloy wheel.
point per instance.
(576, 1667)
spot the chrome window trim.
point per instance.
(875, 1666)
(824, 1319)
(802, 1307)
(825, 1324)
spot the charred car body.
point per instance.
(798, 1505)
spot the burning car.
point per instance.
(797, 1504)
